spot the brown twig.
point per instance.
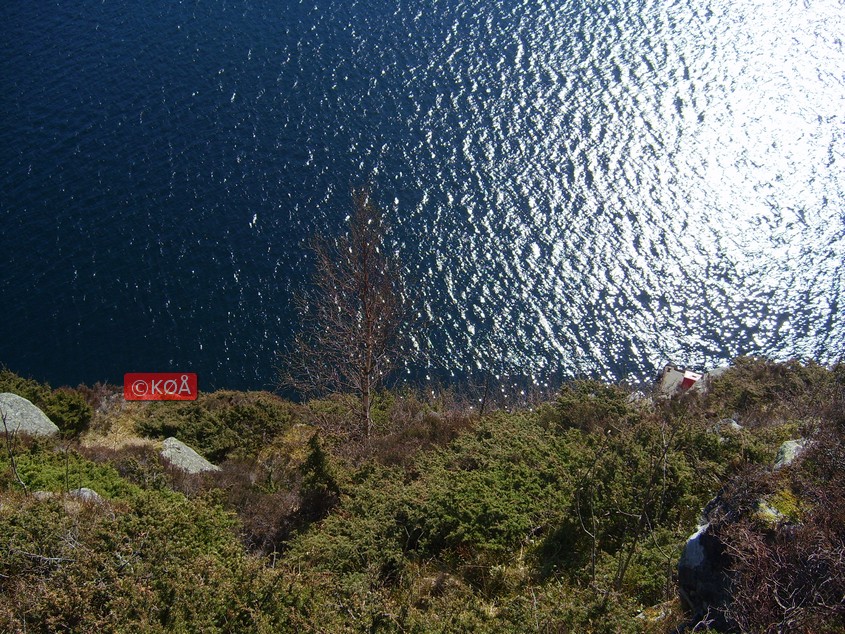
(10, 441)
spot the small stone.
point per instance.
(86, 495)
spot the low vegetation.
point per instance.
(66, 407)
(565, 517)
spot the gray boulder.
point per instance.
(730, 424)
(24, 418)
(703, 581)
(84, 494)
(726, 428)
(183, 457)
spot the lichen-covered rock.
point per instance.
(25, 418)
(780, 508)
(704, 582)
(183, 457)
(726, 428)
(768, 514)
(788, 452)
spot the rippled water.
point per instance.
(576, 188)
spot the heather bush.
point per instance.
(413, 425)
(782, 529)
(403, 424)
(289, 484)
(762, 391)
(788, 567)
(137, 464)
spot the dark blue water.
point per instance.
(576, 188)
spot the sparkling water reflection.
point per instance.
(583, 189)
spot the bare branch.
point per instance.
(352, 314)
(11, 439)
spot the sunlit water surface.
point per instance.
(576, 188)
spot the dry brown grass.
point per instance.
(114, 424)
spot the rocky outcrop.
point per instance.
(183, 457)
(704, 584)
(24, 418)
(703, 581)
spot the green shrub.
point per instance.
(570, 518)
(221, 424)
(27, 388)
(160, 564)
(65, 406)
(363, 541)
(149, 561)
(68, 409)
(591, 405)
(495, 488)
(560, 607)
(45, 466)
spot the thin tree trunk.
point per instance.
(365, 406)
(486, 392)
(11, 452)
